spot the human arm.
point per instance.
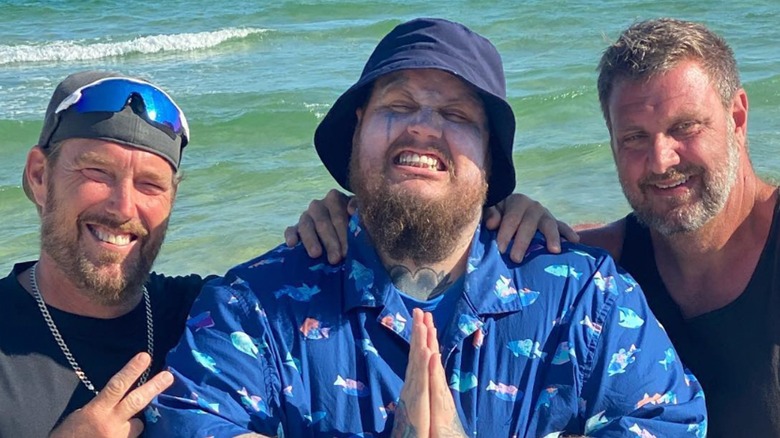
(220, 367)
(633, 381)
(517, 217)
(607, 236)
(113, 412)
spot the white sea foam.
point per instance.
(76, 51)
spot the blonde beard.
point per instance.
(62, 245)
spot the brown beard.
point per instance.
(61, 243)
(407, 227)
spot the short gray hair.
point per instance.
(653, 47)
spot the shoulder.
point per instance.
(282, 271)
(584, 255)
(179, 282)
(609, 236)
(281, 265)
(587, 274)
(17, 269)
(12, 292)
(582, 275)
(172, 297)
(9, 281)
(183, 287)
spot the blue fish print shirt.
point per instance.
(558, 344)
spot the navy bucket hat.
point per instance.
(428, 43)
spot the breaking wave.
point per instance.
(77, 51)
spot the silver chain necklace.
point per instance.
(64, 347)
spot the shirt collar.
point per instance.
(367, 283)
(489, 286)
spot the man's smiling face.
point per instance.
(105, 215)
(675, 146)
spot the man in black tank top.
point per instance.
(702, 239)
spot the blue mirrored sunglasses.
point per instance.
(113, 94)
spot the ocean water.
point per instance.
(255, 78)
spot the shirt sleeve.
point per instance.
(633, 382)
(225, 381)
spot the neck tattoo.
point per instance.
(422, 284)
(64, 347)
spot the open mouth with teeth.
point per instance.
(104, 235)
(669, 184)
(421, 161)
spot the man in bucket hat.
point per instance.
(425, 329)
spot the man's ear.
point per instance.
(36, 173)
(739, 113)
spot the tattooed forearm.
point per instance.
(452, 430)
(423, 284)
(402, 427)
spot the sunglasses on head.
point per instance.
(113, 94)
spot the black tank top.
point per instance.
(734, 351)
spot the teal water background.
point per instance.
(255, 78)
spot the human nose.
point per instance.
(122, 202)
(427, 123)
(663, 154)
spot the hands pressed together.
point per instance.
(518, 216)
(426, 408)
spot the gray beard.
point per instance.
(716, 189)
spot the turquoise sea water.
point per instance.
(256, 77)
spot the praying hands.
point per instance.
(426, 408)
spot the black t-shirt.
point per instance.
(733, 351)
(38, 387)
